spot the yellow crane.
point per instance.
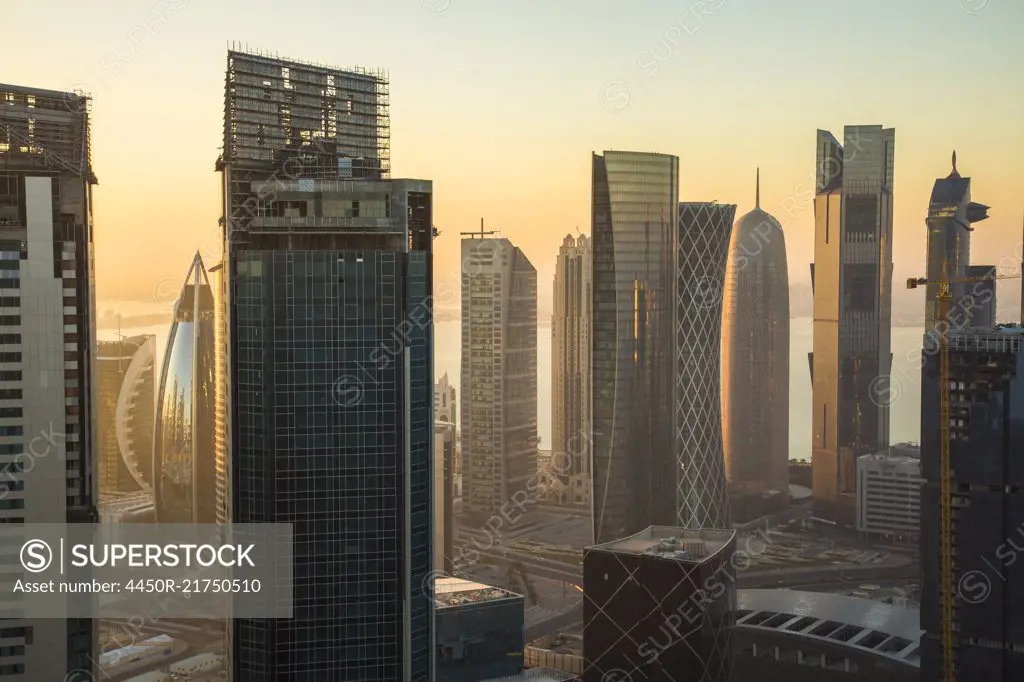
(944, 302)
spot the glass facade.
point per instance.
(184, 462)
(852, 281)
(480, 640)
(755, 358)
(634, 213)
(703, 246)
(125, 414)
(987, 474)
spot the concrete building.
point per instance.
(125, 370)
(659, 605)
(47, 348)
(499, 373)
(702, 249)
(444, 496)
(852, 281)
(755, 364)
(479, 631)
(986, 429)
(328, 276)
(889, 493)
(951, 214)
(570, 368)
(634, 212)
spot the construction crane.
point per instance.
(944, 302)
(481, 234)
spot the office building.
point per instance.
(755, 362)
(184, 465)
(852, 281)
(444, 401)
(704, 230)
(660, 605)
(479, 631)
(444, 496)
(125, 372)
(889, 493)
(950, 216)
(986, 429)
(47, 345)
(499, 374)
(328, 279)
(570, 368)
(634, 210)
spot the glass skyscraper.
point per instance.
(755, 359)
(852, 281)
(702, 249)
(329, 342)
(634, 213)
(184, 465)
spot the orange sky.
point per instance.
(500, 104)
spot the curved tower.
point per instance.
(755, 356)
(183, 444)
(134, 412)
(702, 247)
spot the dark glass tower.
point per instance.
(634, 213)
(755, 358)
(852, 281)
(702, 249)
(185, 489)
(328, 318)
(950, 216)
(987, 480)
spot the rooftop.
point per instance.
(669, 542)
(885, 630)
(456, 591)
(536, 675)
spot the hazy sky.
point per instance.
(500, 103)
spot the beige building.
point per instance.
(499, 373)
(570, 369)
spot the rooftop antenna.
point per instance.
(480, 234)
(757, 194)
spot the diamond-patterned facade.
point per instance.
(702, 244)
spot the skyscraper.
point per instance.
(986, 430)
(125, 371)
(444, 496)
(852, 281)
(328, 280)
(703, 246)
(184, 454)
(570, 367)
(499, 373)
(950, 216)
(634, 209)
(444, 401)
(755, 358)
(47, 345)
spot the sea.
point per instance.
(904, 390)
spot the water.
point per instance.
(906, 373)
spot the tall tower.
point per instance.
(328, 278)
(702, 249)
(499, 373)
(755, 359)
(852, 281)
(47, 348)
(950, 216)
(634, 209)
(570, 367)
(125, 413)
(184, 455)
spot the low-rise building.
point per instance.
(479, 631)
(889, 492)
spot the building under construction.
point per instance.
(47, 329)
(326, 283)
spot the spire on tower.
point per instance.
(757, 194)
